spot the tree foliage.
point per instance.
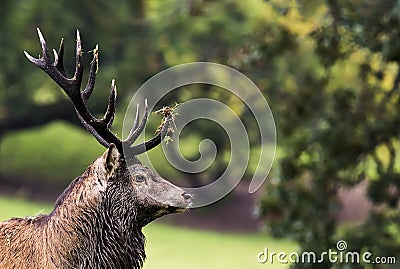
(339, 125)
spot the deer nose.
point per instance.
(187, 196)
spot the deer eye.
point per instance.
(140, 178)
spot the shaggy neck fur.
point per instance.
(94, 231)
(83, 231)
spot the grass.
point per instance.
(174, 248)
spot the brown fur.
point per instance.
(96, 222)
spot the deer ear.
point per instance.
(111, 159)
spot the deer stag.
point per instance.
(97, 220)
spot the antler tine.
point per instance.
(55, 57)
(77, 79)
(42, 41)
(128, 141)
(136, 122)
(137, 130)
(92, 75)
(59, 58)
(156, 140)
(110, 113)
(46, 55)
(41, 62)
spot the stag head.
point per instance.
(133, 192)
(152, 195)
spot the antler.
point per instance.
(99, 128)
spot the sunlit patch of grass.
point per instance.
(174, 247)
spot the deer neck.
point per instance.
(87, 235)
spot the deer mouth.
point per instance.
(174, 209)
(182, 206)
(178, 203)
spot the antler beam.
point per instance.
(99, 128)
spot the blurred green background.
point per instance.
(329, 70)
